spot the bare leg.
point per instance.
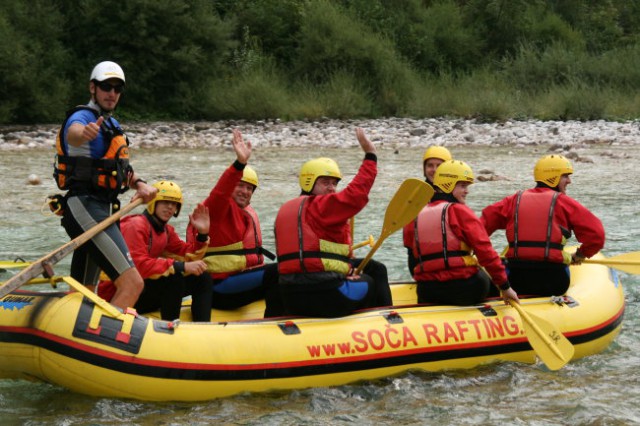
(129, 285)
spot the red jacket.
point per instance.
(153, 251)
(230, 223)
(328, 215)
(467, 228)
(408, 234)
(568, 213)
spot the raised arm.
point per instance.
(367, 146)
(242, 148)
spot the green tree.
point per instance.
(33, 85)
(432, 38)
(273, 24)
(169, 49)
(332, 41)
(192, 59)
(505, 25)
(602, 23)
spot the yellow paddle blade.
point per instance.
(626, 262)
(547, 341)
(10, 264)
(405, 205)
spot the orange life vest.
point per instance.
(533, 234)
(300, 249)
(111, 172)
(436, 247)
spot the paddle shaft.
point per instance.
(626, 262)
(369, 255)
(370, 242)
(9, 264)
(44, 264)
(352, 225)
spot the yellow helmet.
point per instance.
(451, 172)
(550, 168)
(167, 191)
(436, 151)
(313, 169)
(250, 176)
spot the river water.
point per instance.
(600, 390)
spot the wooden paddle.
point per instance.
(626, 262)
(549, 343)
(405, 205)
(45, 263)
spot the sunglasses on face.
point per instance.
(107, 87)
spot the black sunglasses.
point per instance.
(107, 87)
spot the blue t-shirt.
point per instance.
(96, 148)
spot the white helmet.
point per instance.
(106, 70)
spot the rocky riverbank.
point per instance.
(388, 132)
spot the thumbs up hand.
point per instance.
(91, 130)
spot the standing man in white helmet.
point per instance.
(92, 164)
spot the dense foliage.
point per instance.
(292, 59)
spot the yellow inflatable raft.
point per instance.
(80, 342)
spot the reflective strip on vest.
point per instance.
(240, 255)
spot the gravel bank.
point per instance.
(388, 132)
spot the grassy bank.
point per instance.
(484, 95)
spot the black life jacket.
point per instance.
(106, 175)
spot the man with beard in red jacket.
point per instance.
(235, 256)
